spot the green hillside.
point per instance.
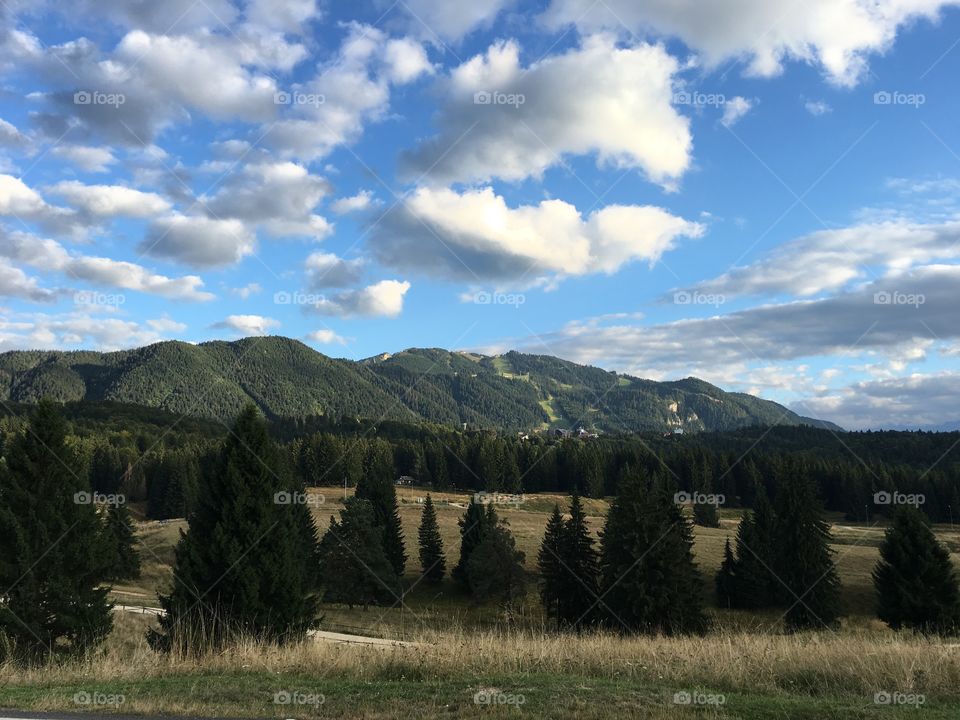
(286, 378)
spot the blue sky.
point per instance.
(764, 197)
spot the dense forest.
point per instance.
(286, 379)
(156, 457)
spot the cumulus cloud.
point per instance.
(15, 283)
(55, 332)
(11, 137)
(502, 120)
(443, 20)
(326, 337)
(734, 109)
(248, 325)
(51, 256)
(355, 203)
(382, 299)
(198, 241)
(475, 235)
(326, 270)
(86, 157)
(831, 259)
(817, 107)
(280, 196)
(110, 200)
(24, 203)
(838, 36)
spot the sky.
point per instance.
(764, 194)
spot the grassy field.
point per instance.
(744, 668)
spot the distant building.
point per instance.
(405, 480)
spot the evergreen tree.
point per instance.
(650, 582)
(495, 569)
(915, 582)
(550, 563)
(377, 487)
(354, 560)
(121, 541)
(726, 580)
(431, 544)
(755, 585)
(476, 520)
(52, 554)
(582, 569)
(247, 564)
(804, 559)
(705, 514)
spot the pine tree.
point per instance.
(495, 569)
(804, 559)
(354, 561)
(705, 514)
(582, 569)
(756, 586)
(550, 563)
(431, 544)
(476, 521)
(52, 555)
(650, 582)
(247, 564)
(726, 580)
(121, 541)
(915, 582)
(377, 487)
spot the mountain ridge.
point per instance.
(286, 378)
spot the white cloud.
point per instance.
(248, 325)
(596, 99)
(51, 256)
(11, 137)
(433, 19)
(382, 299)
(198, 241)
(817, 107)
(110, 200)
(355, 203)
(326, 270)
(836, 35)
(326, 337)
(248, 291)
(86, 157)
(477, 236)
(285, 15)
(734, 109)
(166, 325)
(56, 332)
(16, 283)
(406, 60)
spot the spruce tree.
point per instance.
(495, 569)
(756, 586)
(705, 514)
(354, 561)
(476, 520)
(915, 582)
(377, 486)
(726, 580)
(52, 555)
(550, 563)
(247, 564)
(582, 569)
(431, 544)
(650, 582)
(804, 559)
(121, 542)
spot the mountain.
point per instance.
(285, 378)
